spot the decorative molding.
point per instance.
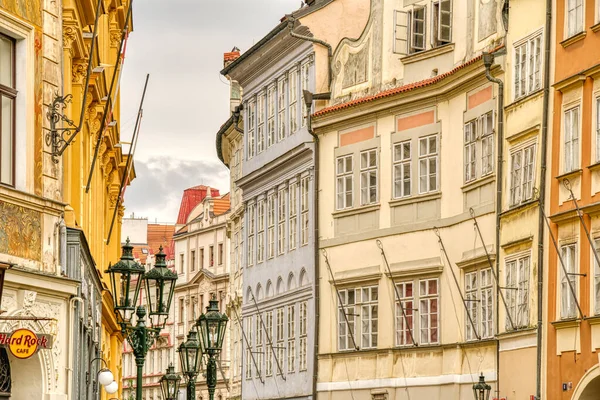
(22, 233)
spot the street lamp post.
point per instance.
(169, 384)
(127, 276)
(190, 355)
(481, 390)
(211, 329)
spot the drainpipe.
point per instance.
(488, 60)
(542, 198)
(71, 334)
(323, 43)
(308, 99)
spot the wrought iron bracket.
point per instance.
(59, 138)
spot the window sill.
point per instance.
(423, 55)
(571, 174)
(357, 210)
(518, 207)
(566, 323)
(523, 99)
(575, 38)
(467, 187)
(594, 167)
(416, 199)
(511, 333)
(596, 27)
(593, 320)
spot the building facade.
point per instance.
(229, 145)
(573, 302)
(275, 173)
(202, 262)
(408, 172)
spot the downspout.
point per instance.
(542, 198)
(488, 60)
(323, 43)
(71, 333)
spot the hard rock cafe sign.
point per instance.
(24, 343)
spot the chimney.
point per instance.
(235, 91)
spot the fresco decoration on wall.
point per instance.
(39, 114)
(20, 231)
(487, 18)
(356, 68)
(30, 10)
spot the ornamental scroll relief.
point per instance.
(20, 231)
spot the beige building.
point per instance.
(202, 262)
(408, 173)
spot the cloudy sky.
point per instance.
(180, 43)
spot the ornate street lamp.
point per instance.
(481, 390)
(125, 278)
(160, 280)
(190, 355)
(127, 275)
(211, 329)
(169, 384)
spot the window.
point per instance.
(249, 329)
(304, 211)
(428, 162)
(517, 295)
(268, 351)
(442, 22)
(193, 261)
(574, 17)
(479, 302)
(293, 97)
(251, 116)
(293, 210)
(528, 61)
(522, 175)
(271, 225)
(405, 326)
(201, 258)
(360, 305)
(368, 177)
(568, 307)
(291, 335)
(470, 150)
(596, 283)
(417, 29)
(281, 221)
(400, 32)
(402, 170)
(220, 253)
(281, 109)
(260, 110)
(251, 216)
(305, 76)
(279, 335)
(259, 342)
(479, 132)
(211, 256)
(270, 116)
(598, 127)
(571, 139)
(303, 335)
(181, 258)
(428, 311)
(260, 252)
(344, 182)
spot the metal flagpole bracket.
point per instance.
(59, 138)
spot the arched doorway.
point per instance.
(5, 380)
(27, 378)
(589, 386)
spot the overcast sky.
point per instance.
(180, 43)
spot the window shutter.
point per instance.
(445, 21)
(401, 32)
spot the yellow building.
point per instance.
(91, 212)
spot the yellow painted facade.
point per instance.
(92, 211)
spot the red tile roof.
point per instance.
(231, 56)
(394, 91)
(191, 198)
(158, 235)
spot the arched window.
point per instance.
(5, 380)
